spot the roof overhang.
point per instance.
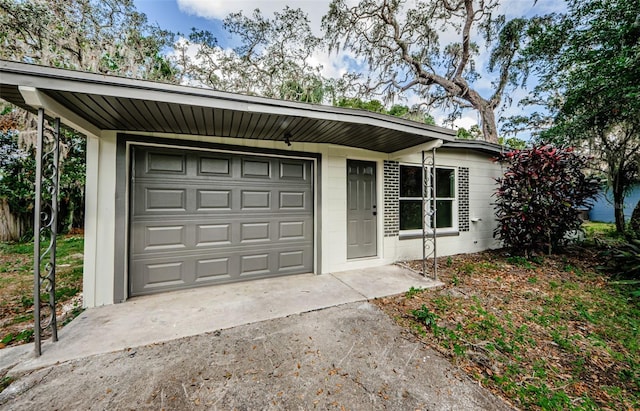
(476, 145)
(92, 103)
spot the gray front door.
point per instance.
(361, 209)
(200, 218)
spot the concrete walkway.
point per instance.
(169, 316)
(349, 357)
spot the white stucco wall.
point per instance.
(331, 249)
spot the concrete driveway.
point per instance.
(294, 354)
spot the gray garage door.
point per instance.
(202, 218)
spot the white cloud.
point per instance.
(219, 9)
(466, 121)
(332, 64)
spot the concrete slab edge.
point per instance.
(24, 365)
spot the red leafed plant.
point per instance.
(539, 197)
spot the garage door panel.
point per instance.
(164, 237)
(213, 269)
(226, 218)
(165, 199)
(214, 200)
(291, 259)
(295, 229)
(255, 200)
(292, 200)
(160, 272)
(256, 168)
(164, 273)
(156, 237)
(253, 232)
(293, 171)
(250, 248)
(154, 198)
(214, 166)
(291, 230)
(190, 234)
(165, 163)
(254, 264)
(216, 235)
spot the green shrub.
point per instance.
(425, 316)
(539, 196)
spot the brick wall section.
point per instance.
(391, 198)
(463, 200)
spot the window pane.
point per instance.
(410, 215)
(410, 181)
(444, 213)
(445, 183)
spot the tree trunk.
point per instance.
(618, 205)
(11, 228)
(71, 215)
(635, 220)
(489, 128)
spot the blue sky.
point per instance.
(169, 16)
(182, 15)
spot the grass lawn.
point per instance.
(602, 234)
(547, 333)
(16, 287)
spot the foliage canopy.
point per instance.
(108, 37)
(273, 58)
(588, 60)
(401, 42)
(397, 110)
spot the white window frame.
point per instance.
(454, 203)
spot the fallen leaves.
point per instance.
(529, 330)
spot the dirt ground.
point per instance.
(350, 357)
(549, 333)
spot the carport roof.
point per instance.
(91, 103)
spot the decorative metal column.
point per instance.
(45, 230)
(429, 212)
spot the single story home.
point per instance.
(190, 187)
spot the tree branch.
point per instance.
(466, 38)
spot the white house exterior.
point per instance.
(188, 187)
